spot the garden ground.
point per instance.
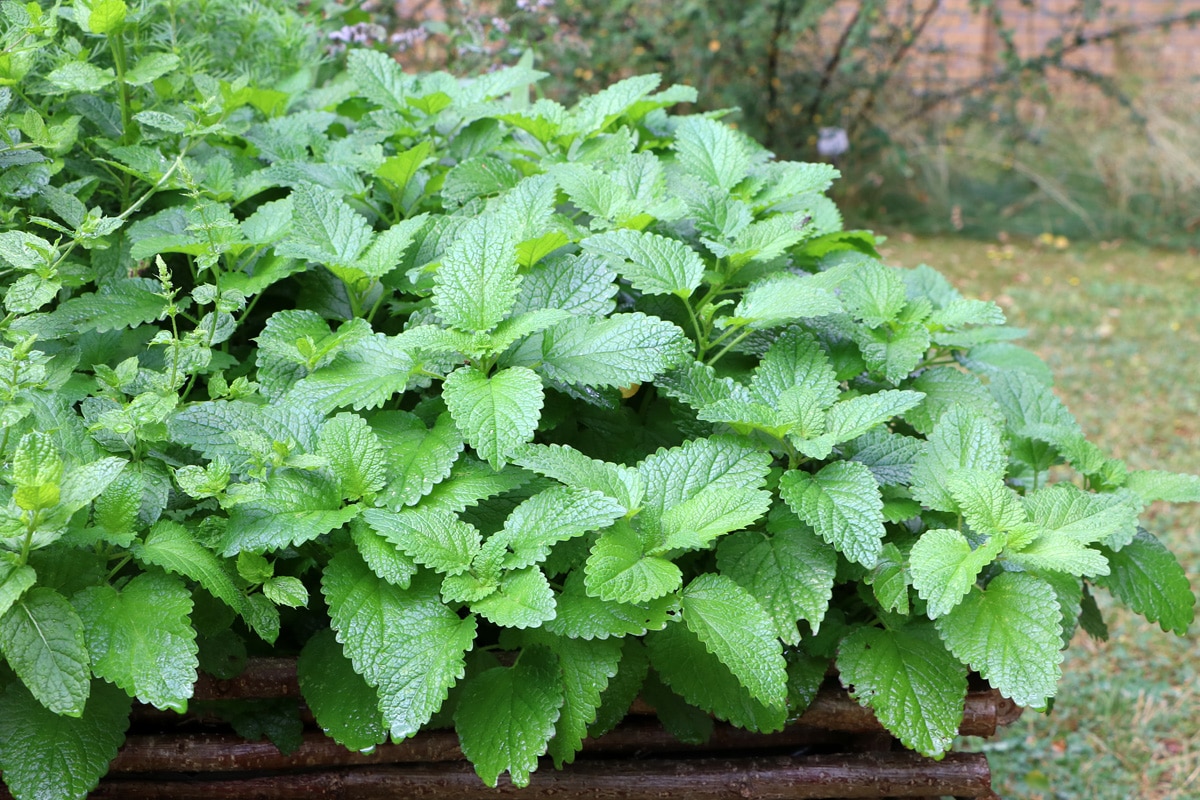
(1120, 327)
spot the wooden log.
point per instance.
(780, 778)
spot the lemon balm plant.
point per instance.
(497, 413)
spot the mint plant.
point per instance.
(496, 413)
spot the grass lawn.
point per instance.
(1120, 327)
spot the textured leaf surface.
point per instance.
(1174, 487)
(619, 351)
(789, 571)
(1011, 634)
(960, 441)
(434, 537)
(711, 150)
(14, 581)
(651, 263)
(506, 716)
(582, 616)
(345, 706)
(843, 504)
(734, 627)
(571, 467)
(1066, 510)
(174, 548)
(784, 299)
(364, 375)
(987, 504)
(1147, 577)
(296, 507)
(944, 567)
(698, 521)
(677, 474)
(477, 282)
(141, 638)
(699, 677)
(553, 516)
(619, 571)
(355, 455)
(42, 639)
(907, 678)
(45, 756)
(497, 413)
(523, 599)
(417, 458)
(404, 642)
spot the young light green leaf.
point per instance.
(42, 639)
(696, 523)
(174, 548)
(523, 599)
(619, 571)
(433, 537)
(674, 475)
(907, 678)
(387, 248)
(960, 441)
(476, 285)
(366, 374)
(873, 292)
(1011, 634)
(944, 567)
(355, 455)
(141, 638)
(285, 590)
(782, 299)
(346, 707)
(582, 616)
(1051, 553)
(619, 351)
(552, 516)
(693, 672)
(295, 507)
(988, 505)
(851, 418)
(379, 78)
(45, 755)
(1173, 487)
(496, 413)
(506, 716)
(1066, 510)
(711, 151)
(569, 466)
(417, 458)
(1147, 578)
(795, 359)
(734, 628)
(324, 229)
(651, 263)
(843, 504)
(580, 284)
(404, 642)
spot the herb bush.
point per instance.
(498, 413)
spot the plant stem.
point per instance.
(736, 341)
(117, 42)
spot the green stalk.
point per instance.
(117, 43)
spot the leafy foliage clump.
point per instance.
(497, 412)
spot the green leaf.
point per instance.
(14, 581)
(734, 628)
(960, 441)
(597, 111)
(945, 388)
(383, 557)
(506, 716)
(852, 418)
(46, 756)
(585, 668)
(324, 229)
(141, 638)
(581, 284)
(400, 168)
(1147, 578)
(434, 537)
(1152, 485)
(78, 77)
(680, 473)
(619, 351)
(295, 507)
(497, 413)
(476, 285)
(151, 67)
(696, 523)
(789, 571)
(284, 590)
(693, 672)
(1011, 634)
(907, 678)
(784, 298)
(711, 151)
(345, 706)
(1031, 408)
(890, 580)
(552, 516)
(1059, 554)
(417, 458)
(571, 467)
(83, 483)
(41, 637)
(619, 571)
(174, 548)
(355, 455)
(873, 292)
(523, 599)
(472, 481)
(893, 353)
(481, 176)
(843, 504)
(388, 247)
(988, 505)
(787, 179)
(405, 642)
(582, 616)
(795, 359)
(944, 567)
(623, 687)
(366, 374)
(379, 78)
(1066, 510)
(651, 263)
